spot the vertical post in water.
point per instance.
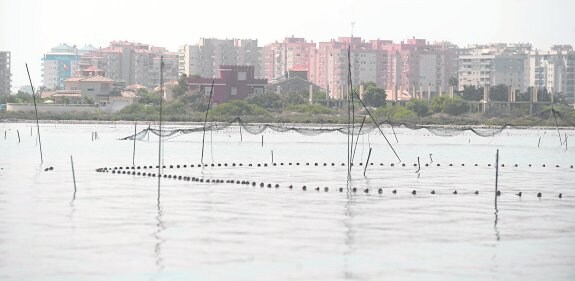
(73, 175)
(134, 151)
(367, 162)
(357, 140)
(160, 132)
(36, 111)
(18, 135)
(496, 176)
(272, 156)
(262, 140)
(206, 120)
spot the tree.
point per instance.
(237, 108)
(195, 100)
(438, 103)
(420, 107)
(294, 98)
(455, 106)
(453, 82)
(373, 96)
(20, 97)
(149, 98)
(268, 101)
(499, 92)
(472, 93)
(182, 87)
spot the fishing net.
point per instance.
(549, 117)
(556, 117)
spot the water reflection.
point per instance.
(347, 222)
(160, 227)
(495, 224)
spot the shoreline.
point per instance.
(296, 124)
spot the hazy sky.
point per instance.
(29, 28)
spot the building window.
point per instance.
(242, 76)
(90, 89)
(234, 91)
(207, 90)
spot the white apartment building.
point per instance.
(554, 70)
(495, 64)
(205, 57)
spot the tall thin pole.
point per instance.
(377, 125)
(357, 139)
(206, 120)
(36, 111)
(160, 134)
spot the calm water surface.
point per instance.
(115, 230)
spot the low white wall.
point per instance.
(111, 107)
(51, 108)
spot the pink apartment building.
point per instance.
(280, 57)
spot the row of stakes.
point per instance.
(269, 185)
(298, 164)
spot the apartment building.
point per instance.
(415, 66)
(280, 57)
(330, 68)
(495, 64)
(5, 73)
(205, 58)
(133, 63)
(553, 69)
(58, 65)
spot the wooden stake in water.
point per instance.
(18, 135)
(272, 156)
(357, 140)
(134, 151)
(367, 162)
(241, 137)
(206, 120)
(496, 176)
(73, 175)
(418, 165)
(36, 111)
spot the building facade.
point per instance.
(95, 87)
(554, 70)
(280, 57)
(330, 68)
(205, 58)
(490, 65)
(235, 82)
(5, 73)
(58, 65)
(133, 63)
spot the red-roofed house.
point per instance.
(235, 82)
(97, 87)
